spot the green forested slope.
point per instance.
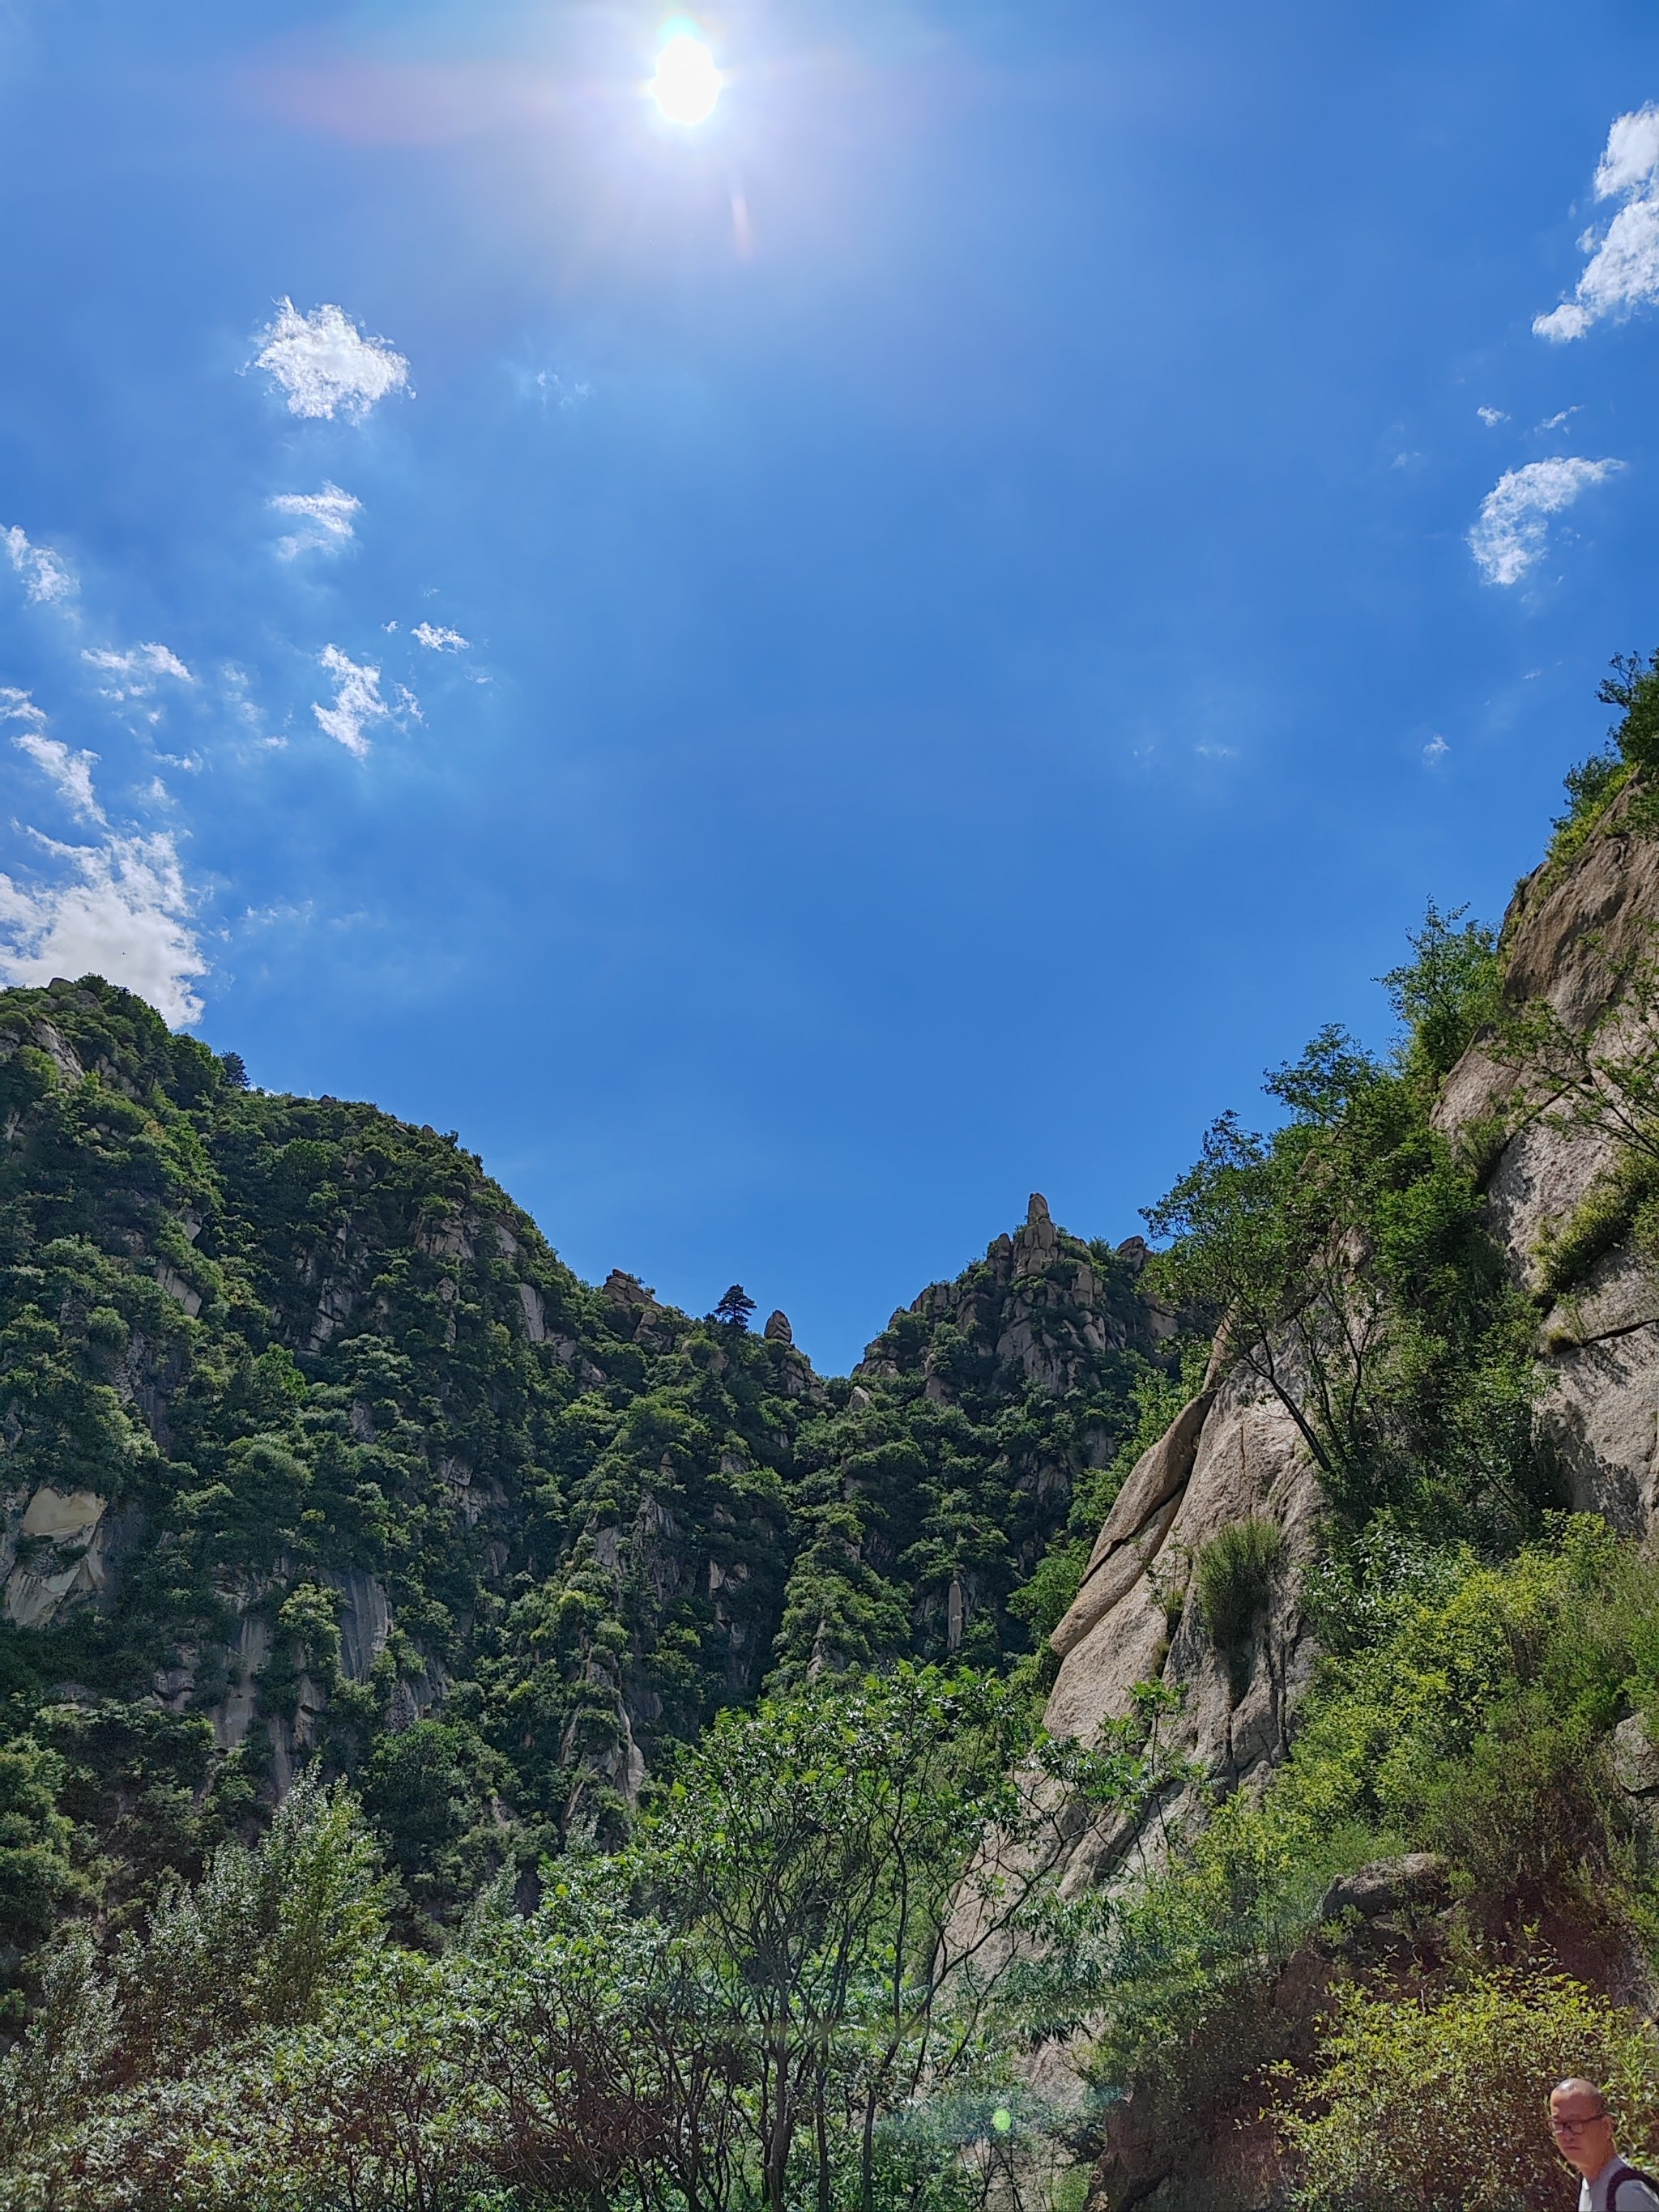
(313, 1450)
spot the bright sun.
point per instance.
(687, 84)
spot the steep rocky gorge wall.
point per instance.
(1234, 1453)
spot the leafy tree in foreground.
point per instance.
(803, 1957)
(857, 1865)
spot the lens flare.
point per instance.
(687, 84)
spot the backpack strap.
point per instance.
(1623, 2174)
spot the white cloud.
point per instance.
(136, 670)
(1622, 272)
(322, 519)
(70, 773)
(1512, 529)
(120, 910)
(439, 640)
(1435, 751)
(326, 365)
(16, 706)
(117, 908)
(1632, 154)
(1492, 417)
(564, 395)
(45, 577)
(357, 701)
(1558, 421)
(239, 701)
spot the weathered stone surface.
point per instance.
(622, 1289)
(1563, 941)
(1241, 1455)
(233, 1715)
(65, 1516)
(778, 1330)
(365, 1620)
(183, 1293)
(1387, 1886)
(73, 1549)
(535, 1314)
(1635, 1758)
(1037, 1304)
(1129, 1540)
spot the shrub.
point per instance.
(1616, 1204)
(1447, 990)
(1233, 1574)
(1438, 2104)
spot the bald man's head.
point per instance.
(1580, 2125)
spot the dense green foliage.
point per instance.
(1625, 766)
(376, 1480)
(1468, 1716)
(773, 1996)
(1479, 1648)
(1427, 2105)
(1349, 1254)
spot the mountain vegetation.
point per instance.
(472, 1740)
(315, 1453)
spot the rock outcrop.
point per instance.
(1234, 1453)
(1229, 1456)
(1041, 1304)
(1566, 939)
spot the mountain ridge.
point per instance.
(315, 1450)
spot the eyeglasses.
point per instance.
(1576, 2127)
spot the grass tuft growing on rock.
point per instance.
(1233, 1575)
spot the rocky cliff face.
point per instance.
(1233, 1453)
(1566, 943)
(1041, 1304)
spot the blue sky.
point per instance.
(799, 679)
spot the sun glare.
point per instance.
(687, 84)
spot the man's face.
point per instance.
(1582, 2131)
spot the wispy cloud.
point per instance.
(322, 521)
(439, 640)
(1512, 530)
(1557, 421)
(326, 366)
(17, 706)
(239, 699)
(1492, 417)
(1622, 273)
(562, 392)
(136, 673)
(45, 576)
(357, 701)
(70, 773)
(117, 908)
(1435, 751)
